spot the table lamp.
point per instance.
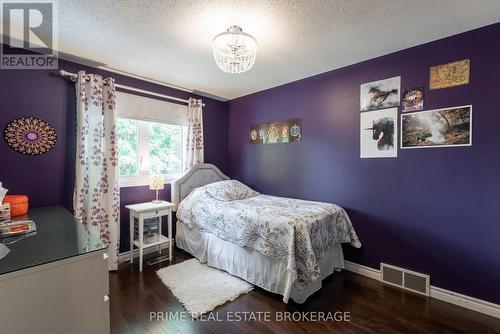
(156, 183)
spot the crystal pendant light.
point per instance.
(234, 50)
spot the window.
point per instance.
(151, 138)
(128, 147)
(146, 148)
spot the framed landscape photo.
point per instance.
(445, 127)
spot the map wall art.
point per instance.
(450, 75)
(378, 137)
(437, 128)
(413, 99)
(380, 94)
(30, 136)
(276, 132)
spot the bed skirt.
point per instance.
(262, 271)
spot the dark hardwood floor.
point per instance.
(373, 308)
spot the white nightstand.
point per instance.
(144, 211)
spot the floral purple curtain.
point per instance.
(194, 141)
(96, 199)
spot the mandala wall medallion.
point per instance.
(30, 136)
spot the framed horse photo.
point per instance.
(378, 136)
(380, 94)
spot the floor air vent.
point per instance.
(405, 279)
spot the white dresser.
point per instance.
(55, 281)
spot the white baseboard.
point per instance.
(451, 297)
(362, 270)
(468, 302)
(125, 256)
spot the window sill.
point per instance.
(143, 180)
(140, 184)
(132, 184)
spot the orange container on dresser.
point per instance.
(18, 204)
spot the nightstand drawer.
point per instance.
(156, 213)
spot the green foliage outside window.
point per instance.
(165, 149)
(163, 142)
(128, 150)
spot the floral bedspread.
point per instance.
(293, 231)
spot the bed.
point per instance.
(285, 246)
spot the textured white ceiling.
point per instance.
(170, 41)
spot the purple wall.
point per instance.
(431, 210)
(48, 179)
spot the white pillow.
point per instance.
(229, 190)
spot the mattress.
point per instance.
(295, 232)
(263, 271)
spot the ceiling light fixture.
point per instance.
(234, 50)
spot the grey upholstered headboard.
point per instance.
(197, 176)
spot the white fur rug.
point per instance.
(201, 288)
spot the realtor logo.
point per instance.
(29, 35)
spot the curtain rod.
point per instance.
(73, 77)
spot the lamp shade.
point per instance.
(156, 182)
